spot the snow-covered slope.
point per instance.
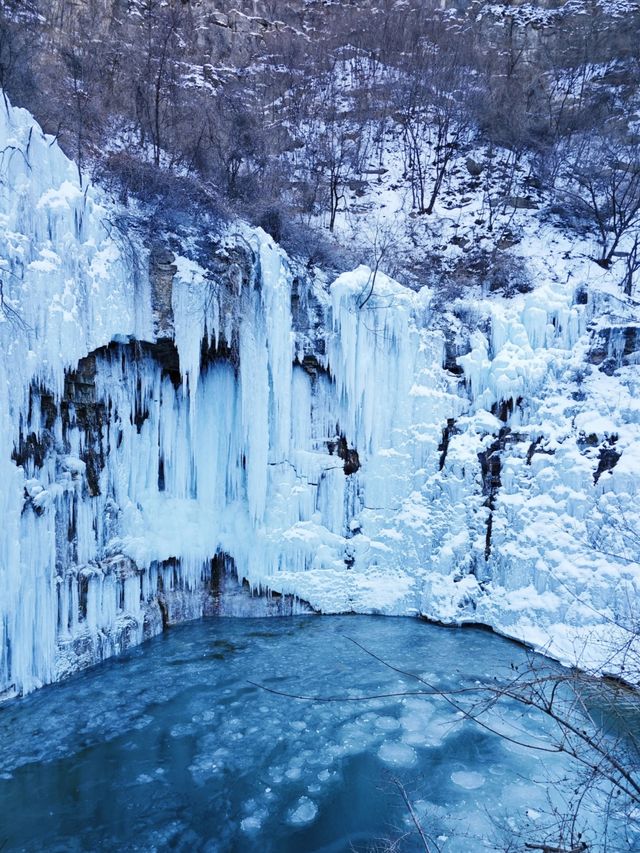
(320, 444)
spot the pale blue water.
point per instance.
(170, 748)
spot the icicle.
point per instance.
(351, 479)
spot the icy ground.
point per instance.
(170, 747)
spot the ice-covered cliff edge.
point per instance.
(158, 430)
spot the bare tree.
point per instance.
(601, 178)
(154, 63)
(432, 112)
(335, 146)
(380, 247)
(632, 265)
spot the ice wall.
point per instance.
(65, 291)
(292, 433)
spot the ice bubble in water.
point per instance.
(416, 714)
(354, 738)
(396, 753)
(387, 724)
(304, 812)
(254, 817)
(251, 823)
(293, 773)
(276, 774)
(204, 717)
(203, 769)
(183, 729)
(467, 779)
(438, 731)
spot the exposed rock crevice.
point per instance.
(348, 454)
(491, 469)
(447, 433)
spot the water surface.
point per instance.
(170, 747)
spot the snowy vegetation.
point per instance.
(441, 129)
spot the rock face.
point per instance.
(348, 454)
(222, 594)
(162, 271)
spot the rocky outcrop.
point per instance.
(491, 468)
(608, 457)
(162, 270)
(614, 347)
(443, 448)
(348, 454)
(149, 601)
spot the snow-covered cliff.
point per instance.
(166, 426)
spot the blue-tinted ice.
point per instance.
(171, 747)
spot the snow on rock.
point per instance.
(332, 458)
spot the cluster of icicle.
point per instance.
(241, 457)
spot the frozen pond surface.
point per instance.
(170, 748)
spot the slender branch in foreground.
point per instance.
(431, 691)
(398, 694)
(411, 810)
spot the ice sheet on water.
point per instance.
(468, 779)
(251, 823)
(303, 812)
(144, 779)
(387, 724)
(397, 754)
(293, 773)
(355, 738)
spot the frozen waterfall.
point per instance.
(267, 427)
